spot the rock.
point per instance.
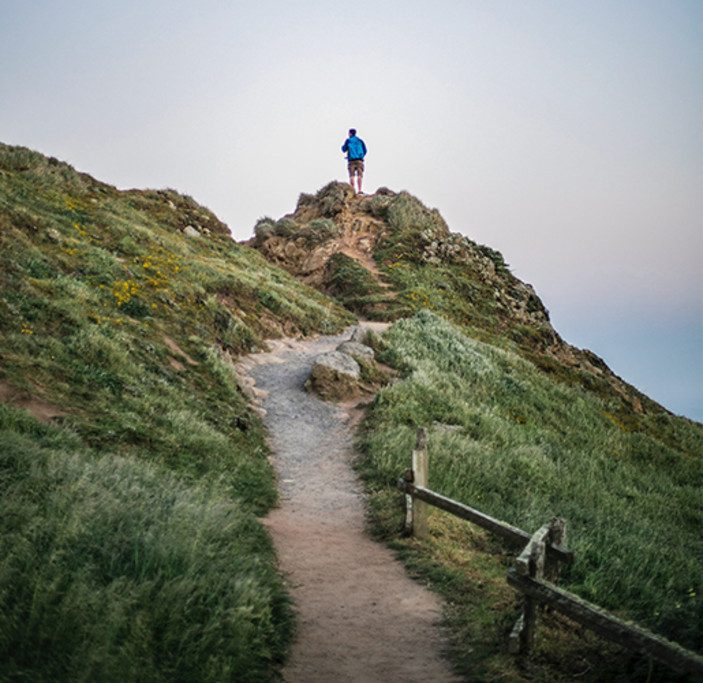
(334, 375)
(359, 334)
(355, 348)
(190, 231)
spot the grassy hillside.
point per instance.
(509, 440)
(523, 425)
(132, 469)
(386, 256)
(132, 466)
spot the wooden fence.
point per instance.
(536, 572)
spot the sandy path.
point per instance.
(360, 618)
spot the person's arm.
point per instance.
(345, 146)
(363, 146)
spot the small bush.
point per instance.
(495, 256)
(407, 214)
(333, 196)
(349, 278)
(319, 231)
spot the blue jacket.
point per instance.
(354, 147)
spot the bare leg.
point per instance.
(359, 177)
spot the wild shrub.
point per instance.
(332, 197)
(354, 285)
(320, 230)
(495, 256)
(408, 215)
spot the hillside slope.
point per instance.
(131, 465)
(386, 256)
(508, 440)
(133, 469)
(522, 425)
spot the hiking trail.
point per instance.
(360, 617)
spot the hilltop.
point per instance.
(134, 469)
(386, 256)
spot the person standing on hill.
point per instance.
(356, 151)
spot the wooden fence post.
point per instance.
(536, 569)
(408, 476)
(557, 536)
(420, 478)
(530, 563)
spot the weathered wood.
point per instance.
(495, 526)
(530, 562)
(529, 630)
(515, 639)
(421, 438)
(420, 461)
(556, 537)
(610, 627)
(408, 524)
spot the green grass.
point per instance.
(131, 548)
(524, 449)
(353, 285)
(113, 569)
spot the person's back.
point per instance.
(355, 148)
(356, 151)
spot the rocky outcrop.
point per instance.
(348, 246)
(335, 221)
(355, 348)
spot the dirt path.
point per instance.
(360, 618)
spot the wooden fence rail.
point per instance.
(537, 567)
(605, 624)
(502, 529)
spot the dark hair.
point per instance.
(352, 131)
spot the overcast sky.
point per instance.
(566, 134)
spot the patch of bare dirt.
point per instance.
(178, 352)
(44, 411)
(360, 617)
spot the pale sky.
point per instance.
(566, 134)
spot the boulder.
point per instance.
(334, 375)
(355, 348)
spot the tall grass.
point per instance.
(130, 547)
(524, 449)
(113, 569)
